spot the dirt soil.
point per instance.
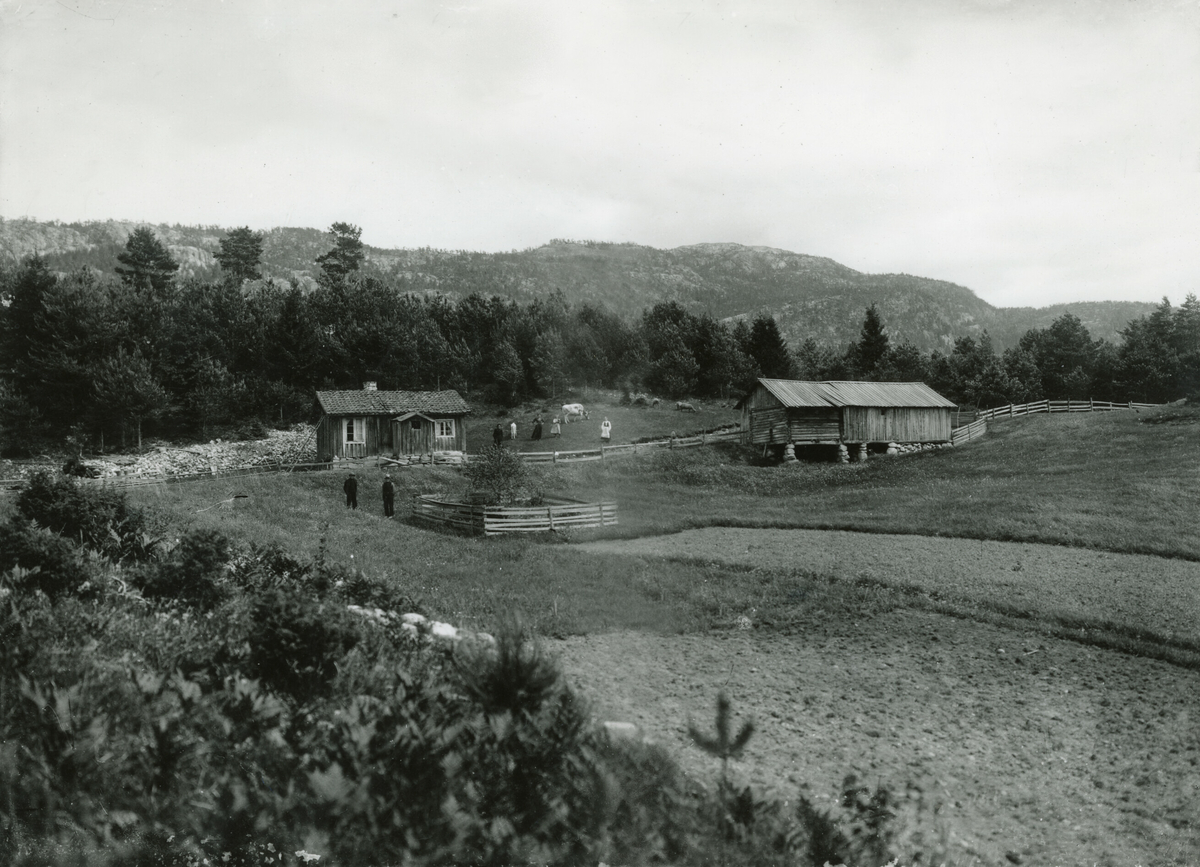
(1039, 751)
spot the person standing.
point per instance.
(555, 427)
(389, 497)
(537, 428)
(497, 435)
(351, 489)
(512, 430)
(605, 431)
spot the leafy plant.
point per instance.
(498, 474)
(99, 518)
(724, 746)
(193, 572)
(296, 641)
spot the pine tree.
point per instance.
(126, 386)
(147, 263)
(240, 254)
(769, 351)
(347, 254)
(873, 343)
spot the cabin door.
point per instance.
(354, 438)
(443, 435)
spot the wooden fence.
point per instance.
(493, 520)
(1014, 410)
(604, 452)
(968, 432)
(978, 427)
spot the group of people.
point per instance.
(350, 487)
(555, 430)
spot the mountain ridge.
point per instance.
(810, 296)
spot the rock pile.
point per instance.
(908, 448)
(297, 445)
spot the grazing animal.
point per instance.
(684, 406)
(575, 410)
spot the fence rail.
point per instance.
(494, 520)
(978, 427)
(968, 432)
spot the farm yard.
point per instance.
(629, 423)
(1010, 625)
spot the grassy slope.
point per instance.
(628, 423)
(1097, 481)
(1101, 481)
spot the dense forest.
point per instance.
(93, 359)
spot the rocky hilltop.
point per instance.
(810, 296)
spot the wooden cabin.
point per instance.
(361, 424)
(782, 411)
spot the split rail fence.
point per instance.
(604, 452)
(978, 427)
(556, 515)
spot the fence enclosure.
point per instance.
(493, 520)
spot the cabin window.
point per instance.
(355, 430)
(416, 424)
(445, 427)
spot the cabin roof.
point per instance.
(362, 402)
(795, 393)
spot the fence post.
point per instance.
(550, 516)
(555, 459)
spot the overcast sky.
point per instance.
(1035, 152)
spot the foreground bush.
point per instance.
(240, 712)
(97, 518)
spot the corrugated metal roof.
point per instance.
(391, 402)
(885, 394)
(794, 393)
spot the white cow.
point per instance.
(574, 409)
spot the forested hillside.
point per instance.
(208, 345)
(808, 296)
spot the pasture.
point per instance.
(1049, 709)
(629, 423)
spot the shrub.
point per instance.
(296, 641)
(498, 474)
(192, 573)
(36, 559)
(99, 518)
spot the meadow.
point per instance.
(1106, 482)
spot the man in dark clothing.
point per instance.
(497, 436)
(389, 497)
(351, 489)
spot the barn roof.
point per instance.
(794, 393)
(391, 402)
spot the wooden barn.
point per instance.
(360, 424)
(782, 411)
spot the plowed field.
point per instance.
(1039, 750)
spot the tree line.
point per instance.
(97, 359)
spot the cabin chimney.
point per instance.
(369, 386)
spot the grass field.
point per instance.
(629, 423)
(1102, 481)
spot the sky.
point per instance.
(1035, 152)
